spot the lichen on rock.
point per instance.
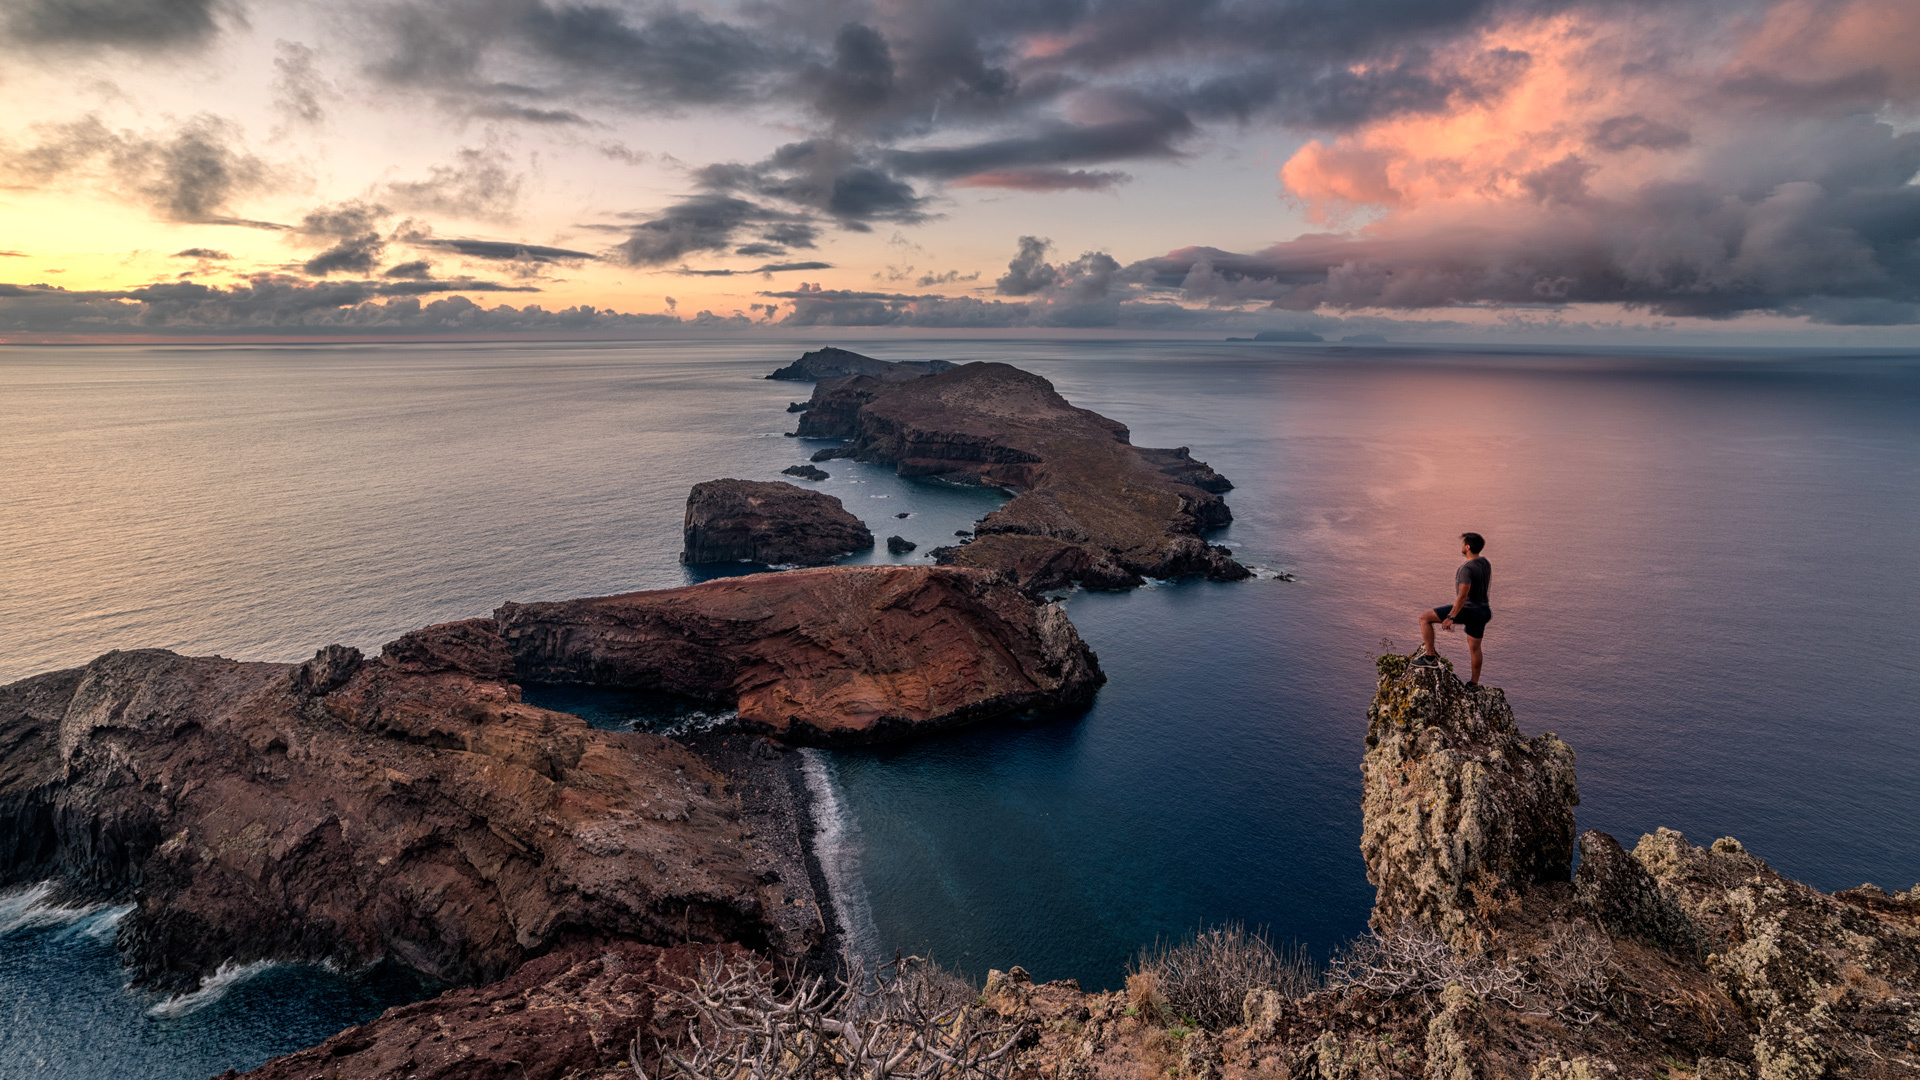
(1461, 811)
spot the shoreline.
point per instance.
(777, 804)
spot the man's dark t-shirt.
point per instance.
(1476, 573)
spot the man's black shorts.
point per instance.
(1472, 618)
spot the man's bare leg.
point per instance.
(1427, 621)
(1473, 646)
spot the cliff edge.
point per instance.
(347, 810)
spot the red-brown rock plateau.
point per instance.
(832, 655)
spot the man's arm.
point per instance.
(1459, 601)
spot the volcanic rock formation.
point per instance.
(835, 363)
(831, 655)
(1670, 961)
(1460, 809)
(409, 807)
(1089, 508)
(768, 522)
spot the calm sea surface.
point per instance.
(1704, 581)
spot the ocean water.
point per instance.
(1703, 581)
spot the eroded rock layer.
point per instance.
(1090, 507)
(407, 807)
(774, 523)
(830, 655)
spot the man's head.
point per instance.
(1471, 543)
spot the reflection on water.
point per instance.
(1702, 581)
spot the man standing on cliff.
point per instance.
(1469, 608)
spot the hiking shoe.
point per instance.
(1424, 660)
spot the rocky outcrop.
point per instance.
(900, 545)
(1670, 961)
(1461, 811)
(768, 522)
(1831, 984)
(1089, 507)
(833, 655)
(409, 807)
(835, 363)
(806, 472)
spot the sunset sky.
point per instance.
(1413, 168)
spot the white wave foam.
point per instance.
(103, 926)
(836, 844)
(691, 723)
(1265, 573)
(28, 909)
(213, 989)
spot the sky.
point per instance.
(1629, 170)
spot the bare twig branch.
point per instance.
(907, 1021)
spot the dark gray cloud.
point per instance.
(906, 91)
(299, 90)
(351, 235)
(1029, 272)
(269, 304)
(500, 250)
(1150, 135)
(353, 255)
(711, 222)
(768, 268)
(1674, 249)
(1046, 179)
(480, 184)
(348, 219)
(506, 110)
(825, 176)
(194, 253)
(127, 24)
(1624, 132)
(192, 173)
(664, 57)
(419, 269)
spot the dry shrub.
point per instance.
(1143, 997)
(1575, 968)
(1206, 978)
(909, 1020)
(1414, 961)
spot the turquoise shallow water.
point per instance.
(1703, 581)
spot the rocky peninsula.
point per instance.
(1089, 507)
(836, 363)
(769, 522)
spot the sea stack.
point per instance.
(768, 522)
